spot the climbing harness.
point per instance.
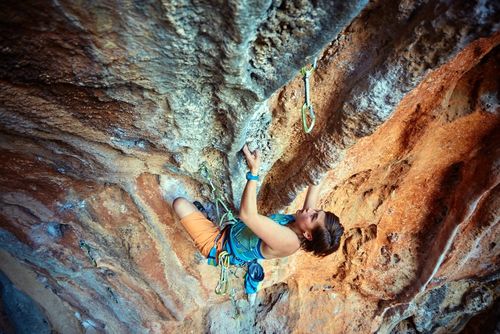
(223, 284)
(218, 199)
(224, 261)
(212, 255)
(307, 106)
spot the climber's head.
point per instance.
(321, 231)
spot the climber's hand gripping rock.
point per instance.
(253, 159)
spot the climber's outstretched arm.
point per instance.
(248, 205)
(277, 237)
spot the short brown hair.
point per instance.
(325, 240)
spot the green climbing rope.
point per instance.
(219, 199)
(307, 106)
(227, 217)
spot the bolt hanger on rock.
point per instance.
(307, 106)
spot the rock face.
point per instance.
(108, 113)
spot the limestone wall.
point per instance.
(108, 111)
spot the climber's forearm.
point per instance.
(312, 196)
(248, 206)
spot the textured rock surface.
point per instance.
(107, 114)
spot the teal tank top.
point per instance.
(244, 244)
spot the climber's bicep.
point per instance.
(276, 236)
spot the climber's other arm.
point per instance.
(312, 196)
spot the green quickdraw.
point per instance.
(307, 106)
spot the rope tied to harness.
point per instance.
(226, 217)
(307, 106)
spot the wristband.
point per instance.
(250, 176)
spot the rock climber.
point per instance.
(256, 237)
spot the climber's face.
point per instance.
(308, 219)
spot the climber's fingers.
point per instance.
(253, 158)
(251, 155)
(246, 151)
(257, 155)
